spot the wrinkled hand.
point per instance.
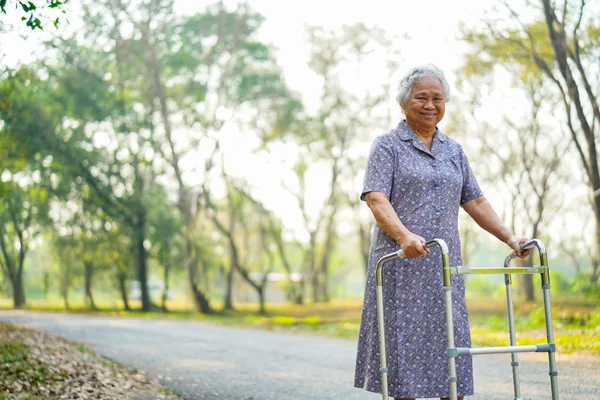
(514, 243)
(413, 245)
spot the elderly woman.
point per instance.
(415, 181)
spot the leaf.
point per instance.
(28, 7)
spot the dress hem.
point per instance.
(460, 394)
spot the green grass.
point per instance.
(15, 363)
(576, 320)
(11, 352)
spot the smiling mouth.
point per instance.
(428, 115)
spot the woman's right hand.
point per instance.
(413, 245)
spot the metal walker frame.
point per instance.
(453, 351)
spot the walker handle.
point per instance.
(530, 245)
(400, 253)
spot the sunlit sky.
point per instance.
(432, 35)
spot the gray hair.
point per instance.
(405, 85)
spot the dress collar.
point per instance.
(407, 133)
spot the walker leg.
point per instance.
(450, 334)
(381, 326)
(513, 340)
(550, 332)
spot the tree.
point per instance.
(345, 119)
(165, 229)
(562, 47)
(96, 89)
(33, 11)
(22, 212)
(25, 184)
(245, 224)
(203, 70)
(66, 265)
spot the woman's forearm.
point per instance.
(386, 216)
(484, 215)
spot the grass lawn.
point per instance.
(576, 320)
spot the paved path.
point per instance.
(204, 361)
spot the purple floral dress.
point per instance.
(425, 187)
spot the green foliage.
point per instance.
(508, 48)
(13, 352)
(583, 284)
(480, 285)
(33, 11)
(29, 117)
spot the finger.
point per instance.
(525, 253)
(517, 251)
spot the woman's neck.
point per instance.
(424, 133)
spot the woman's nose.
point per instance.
(429, 104)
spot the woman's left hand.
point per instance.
(515, 243)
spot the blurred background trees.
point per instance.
(117, 178)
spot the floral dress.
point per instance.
(426, 188)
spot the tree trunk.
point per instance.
(46, 284)
(528, 287)
(18, 289)
(293, 292)
(595, 270)
(206, 287)
(330, 235)
(243, 271)
(229, 289)
(65, 297)
(166, 291)
(142, 260)
(184, 203)
(202, 302)
(65, 284)
(123, 290)
(261, 300)
(527, 279)
(14, 268)
(88, 275)
(300, 293)
(315, 285)
(324, 278)
(312, 268)
(563, 54)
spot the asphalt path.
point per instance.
(198, 360)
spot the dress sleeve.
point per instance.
(379, 175)
(470, 189)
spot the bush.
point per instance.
(583, 284)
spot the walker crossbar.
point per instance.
(534, 269)
(454, 352)
(470, 351)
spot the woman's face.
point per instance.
(425, 106)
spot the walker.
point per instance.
(454, 352)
